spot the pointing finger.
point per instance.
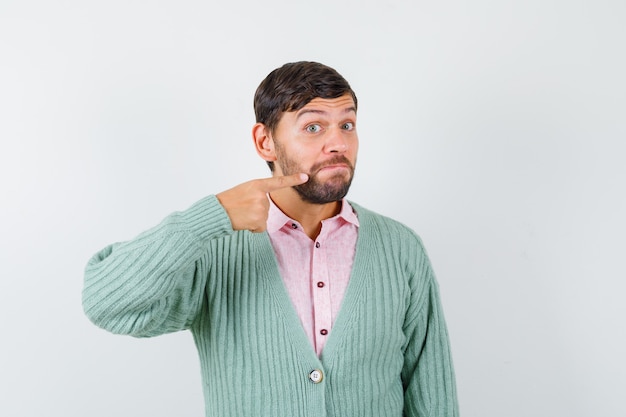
(276, 183)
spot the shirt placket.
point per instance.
(320, 288)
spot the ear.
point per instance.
(263, 142)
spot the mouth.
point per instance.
(329, 172)
(339, 164)
(333, 167)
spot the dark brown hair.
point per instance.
(293, 86)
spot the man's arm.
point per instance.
(428, 374)
(154, 284)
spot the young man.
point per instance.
(300, 302)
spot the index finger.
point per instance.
(283, 181)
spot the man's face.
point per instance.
(320, 140)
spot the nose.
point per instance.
(337, 141)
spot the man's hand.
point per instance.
(247, 204)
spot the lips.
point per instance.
(336, 166)
(336, 163)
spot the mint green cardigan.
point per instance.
(387, 355)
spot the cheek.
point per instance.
(305, 155)
(353, 151)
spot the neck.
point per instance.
(309, 215)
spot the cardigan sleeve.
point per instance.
(154, 283)
(427, 374)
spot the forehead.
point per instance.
(344, 103)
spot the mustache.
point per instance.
(339, 159)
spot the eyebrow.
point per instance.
(305, 111)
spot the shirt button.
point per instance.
(317, 244)
(320, 284)
(316, 376)
(294, 226)
(323, 332)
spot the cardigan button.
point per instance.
(316, 376)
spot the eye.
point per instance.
(347, 126)
(314, 128)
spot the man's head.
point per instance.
(306, 122)
(294, 85)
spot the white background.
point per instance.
(495, 129)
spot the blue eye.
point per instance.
(313, 128)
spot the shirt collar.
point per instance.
(277, 219)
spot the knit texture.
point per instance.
(388, 353)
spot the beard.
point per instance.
(314, 190)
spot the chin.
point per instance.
(330, 191)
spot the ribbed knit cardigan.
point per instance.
(387, 355)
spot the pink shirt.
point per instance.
(315, 273)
